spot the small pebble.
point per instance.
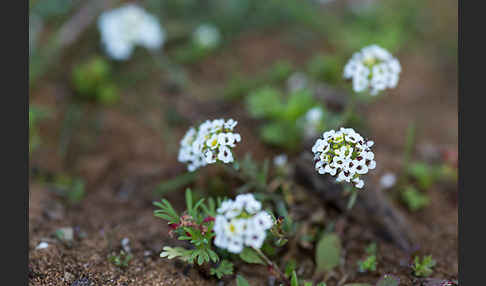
(125, 244)
(42, 245)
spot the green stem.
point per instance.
(348, 112)
(352, 198)
(271, 264)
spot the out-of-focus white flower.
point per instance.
(207, 36)
(211, 142)
(128, 26)
(345, 155)
(388, 180)
(297, 81)
(280, 160)
(312, 122)
(240, 223)
(372, 69)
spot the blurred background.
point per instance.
(104, 132)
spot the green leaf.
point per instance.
(388, 280)
(166, 211)
(423, 268)
(294, 281)
(423, 173)
(414, 199)
(224, 268)
(249, 255)
(240, 281)
(281, 133)
(298, 103)
(265, 102)
(176, 252)
(189, 200)
(328, 252)
(290, 267)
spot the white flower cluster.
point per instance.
(207, 36)
(241, 223)
(213, 140)
(125, 27)
(345, 155)
(374, 69)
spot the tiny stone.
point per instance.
(42, 245)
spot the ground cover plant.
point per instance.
(242, 142)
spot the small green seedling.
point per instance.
(72, 190)
(369, 263)
(414, 199)
(224, 268)
(120, 260)
(92, 81)
(195, 226)
(423, 268)
(289, 117)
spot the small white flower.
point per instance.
(359, 183)
(125, 27)
(347, 156)
(280, 160)
(211, 142)
(225, 155)
(249, 203)
(207, 36)
(230, 124)
(388, 180)
(372, 69)
(312, 121)
(227, 139)
(241, 223)
(210, 157)
(255, 237)
(235, 245)
(263, 220)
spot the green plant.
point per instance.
(284, 115)
(121, 259)
(369, 263)
(423, 267)
(414, 199)
(328, 252)
(194, 226)
(69, 188)
(241, 281)
(92, 81)
(224, 268)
